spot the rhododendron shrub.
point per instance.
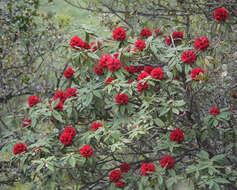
(147, 120)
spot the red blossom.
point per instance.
(69, 72)
(221, 14)
(125, 167)
(105, 60)
(98, 71)
(19, 148)
(147, 167)
(26, 122)
(143, 75)
(109, 80)
(130, 81)
(71, 92)
(140, 45)
(142, 87)
(115, 175)
(133, 69)
(188, 57)
(95, 126)
(115, 65)
(70, 130)
(158, 32)
(201, 43)
(215, 111)
(33, 100)
(157, 73)
(119, 34)
(77, 43)
(167, 161)
(177, 135)
(122, 98)
(148, 69)
(66, 139)
(195, 72)
(59, 107)
(176, 35)
(61, 95)
(120, 184)
(168, 41)
(146, 32)
(86, 151)
(86, 46)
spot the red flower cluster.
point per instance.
(140, 45)
(125, 167)
(59, 107)
(109, 62)
(177, 135)
(32, 100)
(26, 122)
(167, 161)
(157, 73)
(221, 14)
(98, 71)
(158, 32)
(86, 151)
(119, 34)
(122, 98)
(146, 32)
(115, 65)
(77, 43)
(133, 69)
(115, 175)
(148, 69)
(19, 148)
(147, 167)
(94, 47)
(95, 126)
(86, 46)
(175, 35)
(188, 57)
(215, 111)
(201, 43)
(67, 136)
(109, 80)
(142, 87)
(70, 130)
(69, 72)
(71, 92)
(120, 184)
(195, 72)
(62, 96)
(143, 75)
(130, 81)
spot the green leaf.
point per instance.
(175, 110)
(179, 68)
(221, 180)
(72, 162)
(159, 122)
(179, 103)
(218, 157)
(164, 110)
(57, 116)
(93, 55)
(203, 154)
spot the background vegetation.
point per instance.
(35, 52)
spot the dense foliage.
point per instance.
(150, 107)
